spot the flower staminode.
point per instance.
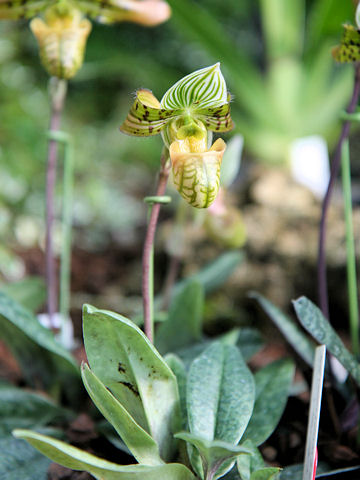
(186, 117)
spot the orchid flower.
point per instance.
(188, 114)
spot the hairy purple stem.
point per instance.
(148, 248)
(335, 167)
(57, 88)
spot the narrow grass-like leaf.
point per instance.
(318, 326)
(272, 388)
(125, 361)
(293, 334)
(77, 459)
(213, 453)
(139, 442)
(184, 324)
(220, 394)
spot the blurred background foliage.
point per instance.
(275, 55)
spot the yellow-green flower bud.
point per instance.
(62, 41)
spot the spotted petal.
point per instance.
(205, 88)
(349, 49)
(217, 119)
(146, 117)
(16, 9)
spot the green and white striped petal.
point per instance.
(146, 117)
(202, 89)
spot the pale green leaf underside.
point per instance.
(319, 327)
(272, 388)
(292, 332)
(220, 394)
(201, 89)
(139, 442)
(76, 459)
(126, 362)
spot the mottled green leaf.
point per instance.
(139, 442)
(272, 388)
(318, 326)
(77, 459)
(213, 452)
(124, 360)
(184, 324)
(220, 394)
(349, 48)
(19, 461)
(293, 334)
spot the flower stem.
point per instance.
(57, 90)
(350, 248)
(148, 252)
(322, 279)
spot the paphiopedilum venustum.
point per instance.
(63, 31)
(186, 117)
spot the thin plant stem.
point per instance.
(322, 278)
(57, 90)
(350, 248)
(148, 252)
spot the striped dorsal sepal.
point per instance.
(146, 117)
(217, 119)
(197, 174)
(205, 88)
(349, 49)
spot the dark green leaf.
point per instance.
(180, 373)
(29, 292)
(77, 459)
(184, 324)
(35, 348)
(300, 343)
(318, 326)
(250, 342)
(272, 388)
(22, 409)
(124, 360)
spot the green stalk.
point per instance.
(350, 248)
(65, 258)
